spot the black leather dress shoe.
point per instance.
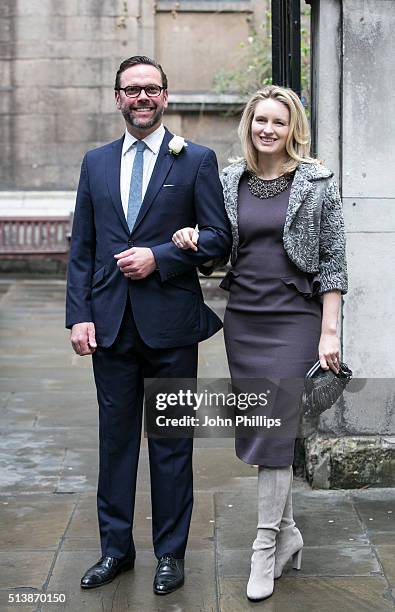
(169, 575)
(105, 570)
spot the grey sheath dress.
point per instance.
(272, 321)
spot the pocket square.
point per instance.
(169, 185)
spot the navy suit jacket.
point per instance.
(167, 306)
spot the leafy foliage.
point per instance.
(255, 70)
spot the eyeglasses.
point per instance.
(133, 91)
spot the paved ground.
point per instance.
(48, 461)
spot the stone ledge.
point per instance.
(208, 102)
(210, 6)
(36, 203)
(350, 462)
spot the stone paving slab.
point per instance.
(24, 569)
(34, 522)
(133, 590)
(32, 459)
(356, 594)
(319, 561)
(386, 555)
(48, 360)
(324, 520)
(41, 350)
(51, 409)
(25, 607)
(29, 462)
(45, 381)
(4, 399)
(377, 512)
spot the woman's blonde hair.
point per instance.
(298, 140)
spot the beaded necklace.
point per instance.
(263, 188)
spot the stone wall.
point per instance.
(58, 61)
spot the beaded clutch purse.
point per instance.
(322, 388)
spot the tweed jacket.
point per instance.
(313, 234)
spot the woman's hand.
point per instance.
(329, 351)
(186, 238)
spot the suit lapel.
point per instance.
(161, 169)
(113, 177)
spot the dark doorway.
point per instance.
(286, 44)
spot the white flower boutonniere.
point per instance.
(176, 145)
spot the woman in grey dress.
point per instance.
(285, 285)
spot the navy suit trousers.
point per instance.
(119, 372)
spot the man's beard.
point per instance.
(140, 123)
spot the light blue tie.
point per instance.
(136, 184)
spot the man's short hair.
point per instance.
(134, 61)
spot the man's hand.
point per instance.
(136, 263)
(83, 338)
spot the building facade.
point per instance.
(58, 64)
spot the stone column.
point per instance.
(355, 125)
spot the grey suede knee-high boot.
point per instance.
(289, 541)
(273, 487)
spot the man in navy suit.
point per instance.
(135, 304)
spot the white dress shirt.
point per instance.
(150, 155)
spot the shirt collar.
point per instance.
(153, 140)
